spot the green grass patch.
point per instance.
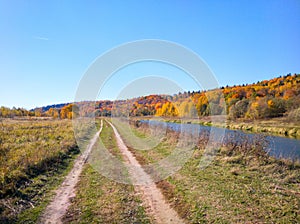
(109, 141)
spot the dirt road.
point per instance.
(59, 205)
(153, 199)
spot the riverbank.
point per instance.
(236, 184)
(275, 126)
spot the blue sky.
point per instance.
(46, 46)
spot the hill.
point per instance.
(276, 97)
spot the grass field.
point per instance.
(240, 186)
(34, 156)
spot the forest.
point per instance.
(277, 97)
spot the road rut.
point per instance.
(152, 197)
(59, 205)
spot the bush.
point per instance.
(266, 108)
(239, 109)
(294, 115)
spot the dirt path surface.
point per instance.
(153, 199)
(59, 205)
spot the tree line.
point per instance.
(68, 111)
(277, 97)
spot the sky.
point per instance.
(46, 47)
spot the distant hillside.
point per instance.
(277, 97)
(46, 108)
(268, 98)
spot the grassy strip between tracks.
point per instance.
(102, 200)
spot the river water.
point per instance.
(279, 147)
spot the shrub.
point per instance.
(294, 115)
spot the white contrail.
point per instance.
(40, 38)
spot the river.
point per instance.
(279, 147)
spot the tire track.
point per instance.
(152, 197)
(59, 205)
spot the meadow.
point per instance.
(34, 156)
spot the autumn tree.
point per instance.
(52, 112)
(239, 109)
(38, 112)
(167, 109)
(69, 111)
(276, 107)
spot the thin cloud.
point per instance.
(41, 38)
